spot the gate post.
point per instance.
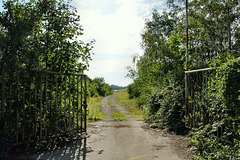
(186, 99)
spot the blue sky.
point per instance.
(116, 26)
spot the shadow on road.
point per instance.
(76, 150)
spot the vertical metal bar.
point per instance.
(85, 104)
(30, 116)
(23, 118)
(60, 106)
(51, 108)
(46, 105)
(210, 86)
(17, 107)
(65, 102)
(35, 108)
(191, 105)
(199, 98)
(194, 100)
(206, 96)
(41, 106)
(203, 97)
(10, 100)
(81, 110)
(73, 105)
(3, 96)
(186, 97)
(56, 99)
(77, 102)
(189, 90)
(69, 107)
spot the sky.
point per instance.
(116, 27)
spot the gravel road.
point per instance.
(120, 140)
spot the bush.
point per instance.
(166, 109)
(133, 91)
(98, 87)
(220, 138)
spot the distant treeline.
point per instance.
(115, 87)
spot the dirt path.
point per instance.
(120, 140)
(129, 140)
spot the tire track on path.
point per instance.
(126, 140)
(108, 109)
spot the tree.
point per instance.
(213, 34)
(163, 49)
(43, 35)
(213, 27)
(38, 35)
(98, 87)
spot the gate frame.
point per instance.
(187, 91)
(43, 90)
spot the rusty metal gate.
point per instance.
(197, 84)
(38, 104)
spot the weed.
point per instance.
(123, 99)
(110, 103)
(119, 116)
(94, 107)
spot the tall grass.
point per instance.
(94, 109)
(130, 104)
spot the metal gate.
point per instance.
(197, 84)
(38, 104)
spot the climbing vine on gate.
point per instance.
(219, 139)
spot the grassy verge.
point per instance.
(123, 99)
(110, 103)
(94, 108)
(118, 116)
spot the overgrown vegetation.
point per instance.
(98, 87)
(158, 74)
(43, 35)
(219, 139)
(124, 100)
(165, 109)
(39, 35)
(94, 109)
(119, 116)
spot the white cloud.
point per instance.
(114, 33)
(110, 65)
(117, 32)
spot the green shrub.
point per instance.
(133, 91)
(166, 109)
(220, 139)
